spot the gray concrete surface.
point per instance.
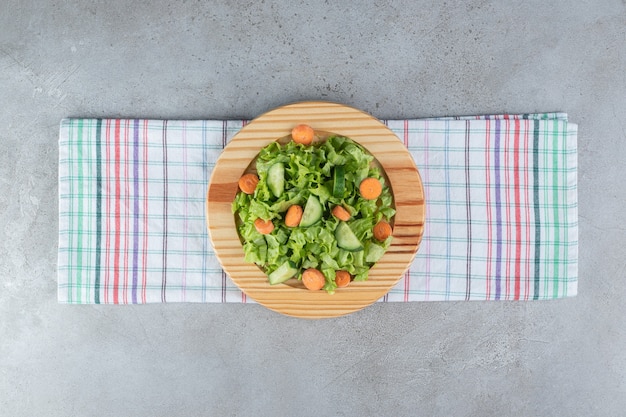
(214, 59)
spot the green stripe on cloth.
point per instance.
(70, 148)
(79, 228)
(98, 210)
(555, 196)
(132, 202)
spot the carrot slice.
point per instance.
(313, 279)
(370, 188)
(303, 134)
(293, 216)
(342, 278)
(382, 230)
(341, 213)
(248, 182)
(264, 227)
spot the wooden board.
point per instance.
(293, 299)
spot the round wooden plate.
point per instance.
(399, 167)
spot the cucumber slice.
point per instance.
(312, 212)
(283, 273)
(346, 239)
(339, 181)
(276, 179)
(373, 252)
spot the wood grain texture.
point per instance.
(292, 298)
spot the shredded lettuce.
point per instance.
(309, 170)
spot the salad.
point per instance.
(318, 212)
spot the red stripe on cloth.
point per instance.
(488, 190)
(518, 214)
(507, 187)
(185, 190)
(527, 205)
(127, 200)
(107, 246)
(406, 133)
(116, 248)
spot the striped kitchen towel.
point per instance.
(501, 219)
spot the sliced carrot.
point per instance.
(248, 182)
(341, 213)
(303, 134)
(382, 230)
(293, 216)
(264, 227)
(313, 279)
(370, 188)
(342, 278)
